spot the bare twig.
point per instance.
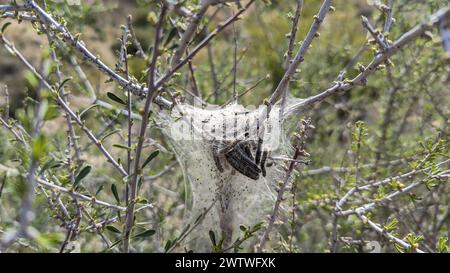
(129, 222)
(361, 78)
(386, 234)
(300, 56)
(299, 152)
(291, 47)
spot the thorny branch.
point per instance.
(298, 153)
(153, 92)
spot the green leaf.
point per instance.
(212, 236)
(150, 158)
(84, 112)
(116, 243)
(3, 183)
(50, 164)
(5, 26)
(170, 36)
(51, 113)
(31, 79)
(120, 146)
(113, 229)
(140, 182)
(82, 174)
(359, 135)
(399, 248)
(56, 165)
(144, 234)
(61, 85)
(443, 245)
(391, 226)
(49, 240)
(46, 165)
(168, 245)
(115, 98)
(110, 134)
(256, 227)
(142, 201)
(115, 193)
(99, 190)
(152, 18)
(39, 147)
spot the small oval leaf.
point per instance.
(47, 165)
(144, 234)
(168, 245)
(113, 229)
(110, 134)
(39, 147)
(61, 85)
(115, 193)
(173, 32)
(83, 173)
(115, 98)
(87, 109)
(150, 158)
(212, 236)
(5, 26)
(120, 146)
(99, 190)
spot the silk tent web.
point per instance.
(197, 134)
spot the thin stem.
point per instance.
(361, 78)
(299, 58)
(299, 152)
(129, 221)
